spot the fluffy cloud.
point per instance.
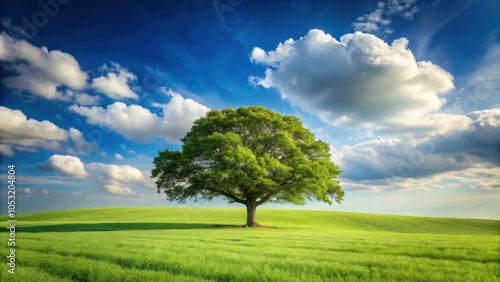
(115, 187)
(139, 124)
(482, 140)
(118, 157)
(17, 129)
(393, 163)
(123, 173)
(115, 178)
(116, 83)
(473, 178)
(65, 165)
(30, 134)
(360, 80)
(38, 70)
(380, 17)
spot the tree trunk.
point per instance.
(251, 207)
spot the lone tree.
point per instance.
(250, 156)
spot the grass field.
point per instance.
(187, 244)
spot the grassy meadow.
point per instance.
(189, 244)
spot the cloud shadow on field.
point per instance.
(91, 227)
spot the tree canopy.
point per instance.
(250, 156)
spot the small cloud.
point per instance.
(118, 156)
(29, 191)
(139, 124)
(114, 187)
(6, 150)
(117, 82)
(39, 71)
(85, 99)
(65, 165)
(379, 19)
(26, 191)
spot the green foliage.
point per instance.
(251, 155)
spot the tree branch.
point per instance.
(229, 195)
(266, 198)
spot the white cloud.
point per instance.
(483, 178)
(379, 18)
(116, 83)
(139, 124)
(38, 70)
(359, 81)
(30, 134)
(123, 173)
(87, 100)
(26, 191)
(395, 163)
(114, 187)
(65, 165)
(113, 178)
(17, 129)
(118, 156)
(6, 150)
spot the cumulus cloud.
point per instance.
(114, 187)
(114, 178)
(118, 157)
(360, 80)
(473, 178)
(117, 82)
(124, 173)
(29, 134)
(392, 163)
(38, 70)
(482, 140)
(379, 19)
(17, 129)
(65, 165)
(139, 124)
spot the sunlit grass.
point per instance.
(177, 244)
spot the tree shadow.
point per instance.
(91, 227)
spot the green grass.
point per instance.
(186, 244)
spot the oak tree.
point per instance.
(250, 156)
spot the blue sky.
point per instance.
(405, 91)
